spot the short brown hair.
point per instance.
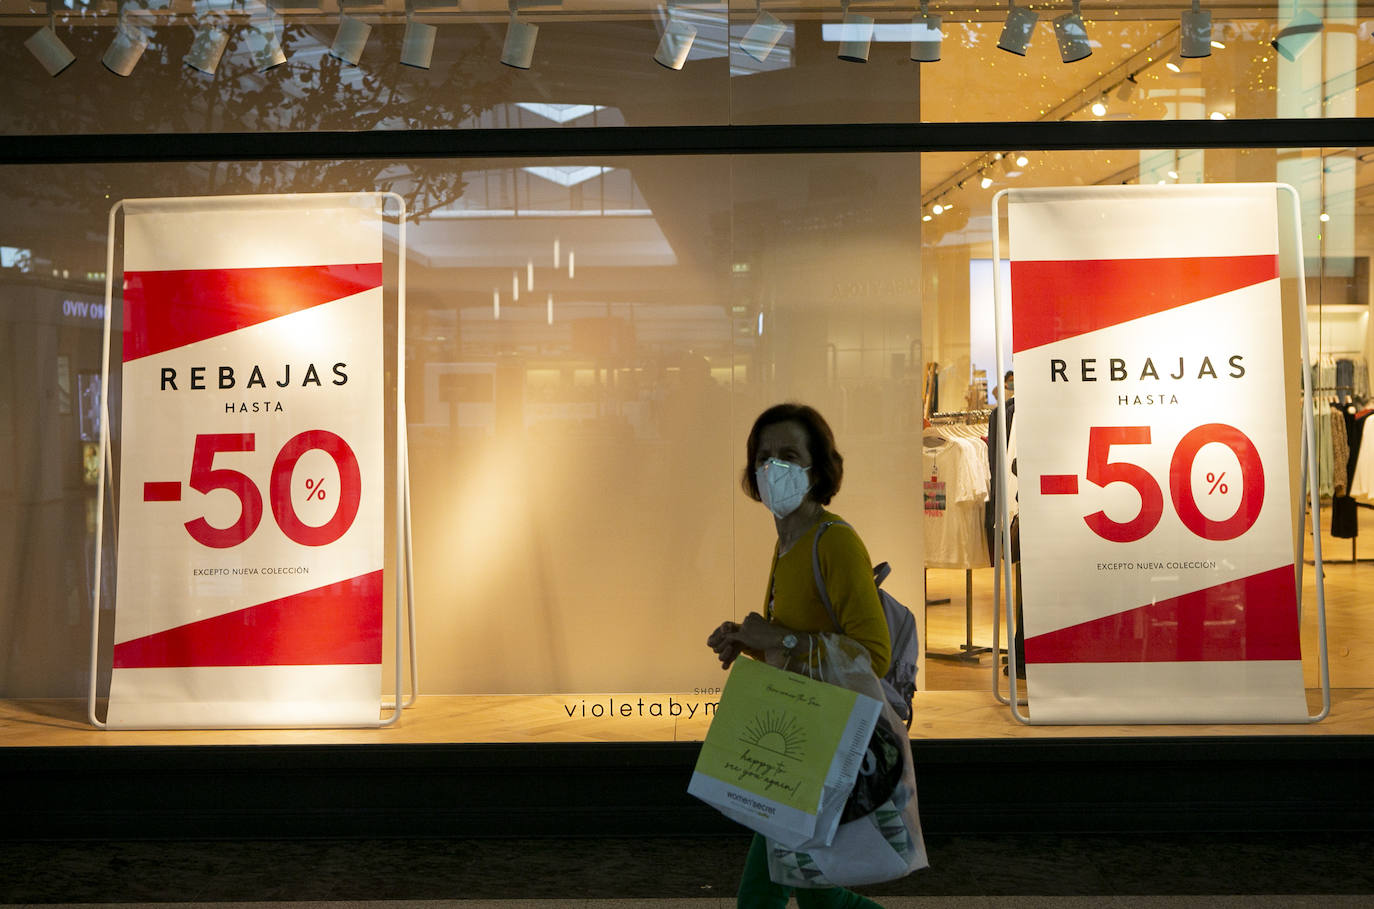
(827, 467)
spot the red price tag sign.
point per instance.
(1103, 471)
(1151, 419)
(206, 478)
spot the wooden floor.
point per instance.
(939, 715)
(957, 701)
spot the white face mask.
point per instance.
(782, 485)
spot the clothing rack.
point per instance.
(968, 652)
(961, 416)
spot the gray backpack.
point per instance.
(900, 682)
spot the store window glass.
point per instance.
(598, 68)
(960, 353)
(1145, 65)
(588, 342)
(587, 69)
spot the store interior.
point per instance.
(588, 339)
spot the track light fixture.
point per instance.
(676, 43)
(1294, 37)
(350, 39)
(1072, 35)
(763, 34)
(207, 49)
(1125, 90)
(1016, 32)
(48, 49)
(926, 36)
(856, 36)
(127, 47)
(985, 182)
(417, 44)
(1195, 32)
(518, 50)
(264, 42)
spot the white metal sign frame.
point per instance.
(1003, 566)
(404, 565)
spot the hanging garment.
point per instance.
(1340, 453)
(954, 490)
(1345, 518)
(1362, 477)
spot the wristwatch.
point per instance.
(789, 642)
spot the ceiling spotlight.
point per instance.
(1323, 217)
(518, 51)
(1173, 66)
(1294, 37)
(125, 50)
(1099, 107)
(856, 36)
(417, 44)
(1016, 32)
(350, 39)
(1218, 45)
(763, 35)
(49, 50)
(264, 43)
(937, 209)
(926, 36)
(676, 42)
(1173, 175)
(207, 49)
(1195, 32)
(1022, 160)
(985, 182)
(1123, 93)
(925, 217)
(1216, 115)
(1072, 35)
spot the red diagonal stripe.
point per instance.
(1052, 301)
(340, 624)
(164, 310)
(1254, 618)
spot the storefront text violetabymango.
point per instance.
(639, 707)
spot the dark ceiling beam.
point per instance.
(674, 140)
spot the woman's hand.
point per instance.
(722, 642)
(755, 634)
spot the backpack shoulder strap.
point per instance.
(816, 573)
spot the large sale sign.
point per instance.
(1157, 528)
(251, 501)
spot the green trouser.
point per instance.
(757, 891)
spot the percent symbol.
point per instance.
(1215, 479)
(315, 488)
